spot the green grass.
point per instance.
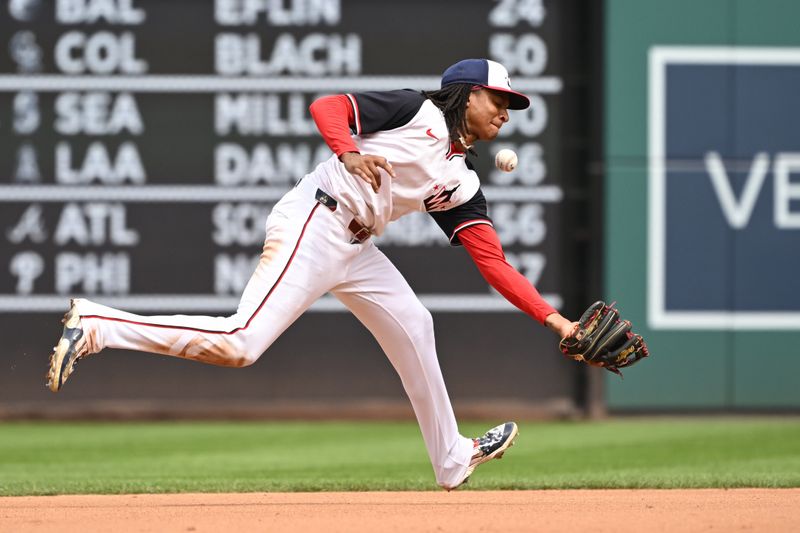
(60, 458)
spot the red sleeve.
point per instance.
(484, 247)
(333, 116)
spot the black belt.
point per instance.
(360, 232)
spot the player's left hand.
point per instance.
(563, 327)
(602, 339)
(367, 167)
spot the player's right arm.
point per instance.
(340, 116)
(335, 119)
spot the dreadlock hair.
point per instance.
(452, 100)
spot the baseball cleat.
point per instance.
(71, 347)
(492, 445)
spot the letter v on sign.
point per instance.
(737, 212)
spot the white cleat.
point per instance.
(492, 445)
(70, 348)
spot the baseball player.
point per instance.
(394, 152)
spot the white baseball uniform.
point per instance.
(312, 248)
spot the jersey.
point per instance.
(432, 175)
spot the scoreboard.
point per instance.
(144, 142)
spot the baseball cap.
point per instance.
(486, 73)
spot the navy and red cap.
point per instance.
(485, 73)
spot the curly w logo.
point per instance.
(439, 198)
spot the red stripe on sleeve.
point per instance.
(356, 118)
(468, 224)
(333, 116)
(483, 245)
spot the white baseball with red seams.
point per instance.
(506, 160)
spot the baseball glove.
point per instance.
(602, 339)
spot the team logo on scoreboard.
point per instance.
(724, 188)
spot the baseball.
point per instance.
(506, 160)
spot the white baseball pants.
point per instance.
(307, 252)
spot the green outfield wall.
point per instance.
(702, 200)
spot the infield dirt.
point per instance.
(769, 510)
